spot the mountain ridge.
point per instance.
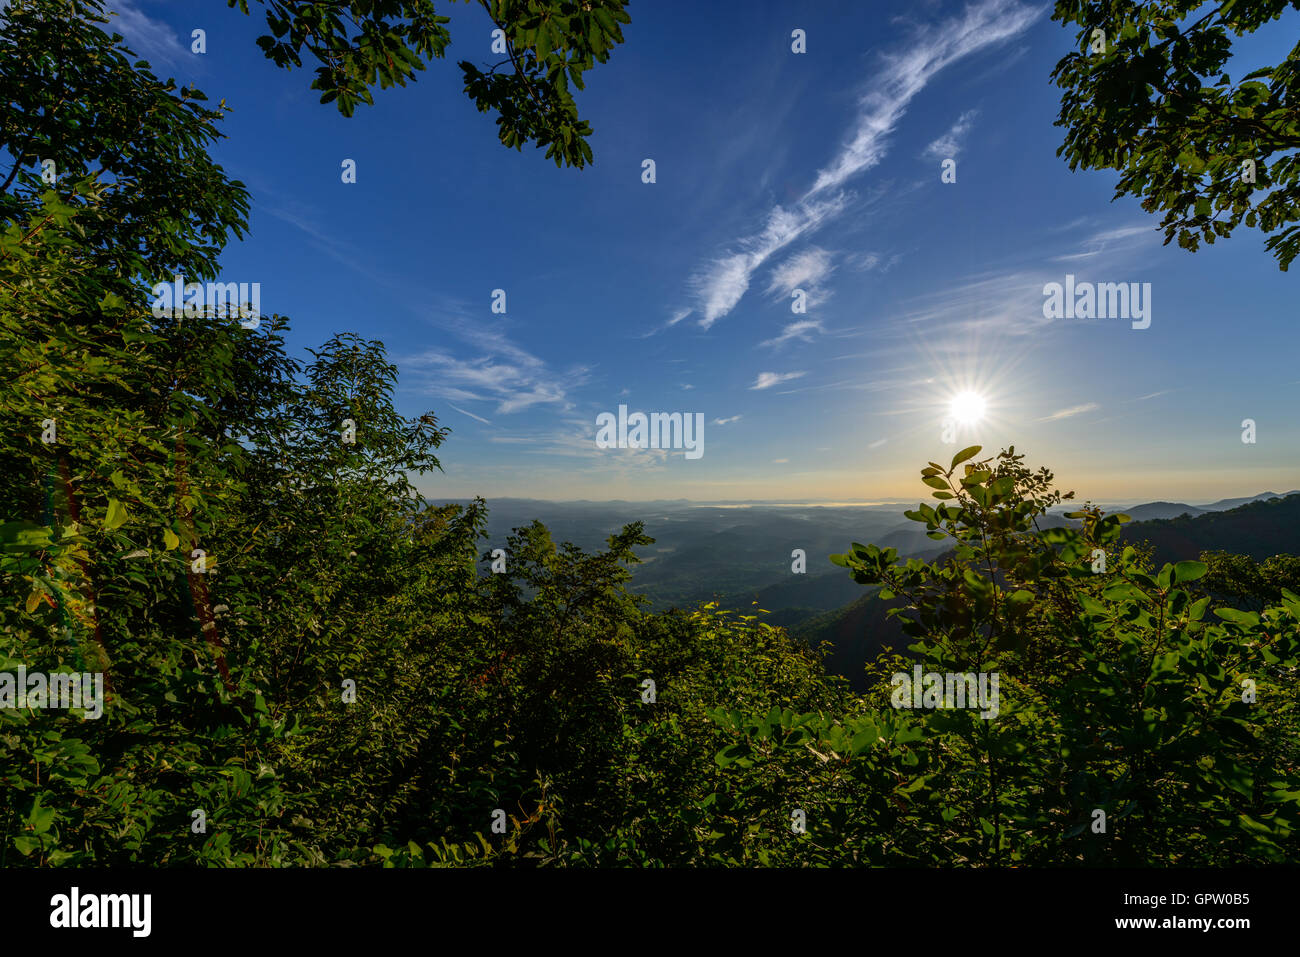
(1260, 528)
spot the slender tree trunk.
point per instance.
(88, 586)
(198, 580)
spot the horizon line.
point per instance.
(826, 503)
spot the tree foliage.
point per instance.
(547, 45)
(1147, 92)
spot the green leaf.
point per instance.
(116, 515)
(24, 536)
(1248, 618)
(26, 844)
(40, 818)
(967, 453)
(1189, 571)
(1121, 591)
(112, 302)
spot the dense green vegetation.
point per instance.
(1149, 92)
(541, 46)
(302, 649)
(1258, 530)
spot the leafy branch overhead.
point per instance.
(1148, 93)
(543, 46)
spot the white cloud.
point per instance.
(500, 371)
(950, 144)
(766, 380)
(1112, 240)
(720, 285)
(677, 317)
(477, 418)
(1005, 303)
(806, 270)
(869, 261)
(734, 418)
(1072, 410)
(795, 330)
(907, 73)
(148, 38)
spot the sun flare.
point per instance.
(967, 408)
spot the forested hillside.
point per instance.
(1258, 529)
(1247, 548)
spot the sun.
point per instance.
(967, 408)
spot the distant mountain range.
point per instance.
(1262, 526)
(1154, 510)
(744, 556)
(736, 556)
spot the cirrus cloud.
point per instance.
(766, 380)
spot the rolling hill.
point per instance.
(1261, 528)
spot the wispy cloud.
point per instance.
(478, 418)
(148, 38)
(311, 221)
(1111, 240)
(1008, 303)
(807, 270)
(734, 418)
(513, 385)
(677, 316)
(720, 285)
(795, 330)
(497, 370)
(766, 380)
(1011, 302)
(951, 143)
(871, 261)
(906, 74)
(1072, 410)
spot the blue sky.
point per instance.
(774, 171)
